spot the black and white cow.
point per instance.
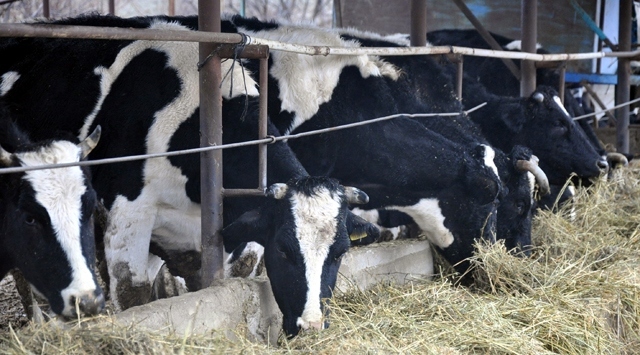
(46, 228)
(449, 190)
(144, 94)
(304, 237)
(494, 76)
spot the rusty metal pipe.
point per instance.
(210, 135)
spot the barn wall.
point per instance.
(560, 28)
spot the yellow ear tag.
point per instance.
(354, 237)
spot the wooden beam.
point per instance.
(486, 35)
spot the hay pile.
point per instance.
(578, 294)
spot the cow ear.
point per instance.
(277, 191)
(5, 158)
(355, 196)
(251, 226)
(87, 145)
(360, 231)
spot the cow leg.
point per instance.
(24, 290)
(388, 229)
(28, 298)
(101, 218)
(126, 242)
(246, 261)
(176, 239)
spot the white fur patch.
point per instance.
(371, 216)
(306, 81)
(60, 191)
(489, 155)
(428, 216)
(517, 45)
(7, 81)
(182, 56)
(559, 103)
(316, 227)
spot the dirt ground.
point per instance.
(11, 310)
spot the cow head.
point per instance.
(542, 123)
(520, 174)
(305, 232)
(47, 221)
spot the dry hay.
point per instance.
(579, 293)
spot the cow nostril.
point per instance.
(603, 165)
(91, 305)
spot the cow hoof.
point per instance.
(129, 296)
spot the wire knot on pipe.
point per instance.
(208, 58)
(273, 139)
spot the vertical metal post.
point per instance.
(262, 133)
(561, 83)
(529, 22)
(172, 8)
(112, 7)
(45, 8)
(337, 13)
(418, 23)
(459, 77)
(624, 71)
(210, 134)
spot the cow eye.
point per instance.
(282, 254)
(520, 208)
(30, 220)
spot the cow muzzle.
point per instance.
(89, 304)
(312, 325)
(603, 165)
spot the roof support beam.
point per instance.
(513, 68)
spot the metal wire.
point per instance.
(607, 110)
(267, 140)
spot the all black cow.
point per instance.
(494, 76)
(427, 86)
(144, 94)
(46, 228)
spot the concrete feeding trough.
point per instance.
(236, 303)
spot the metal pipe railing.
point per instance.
(60, 31)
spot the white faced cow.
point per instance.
(46, 219)
(304, 235)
